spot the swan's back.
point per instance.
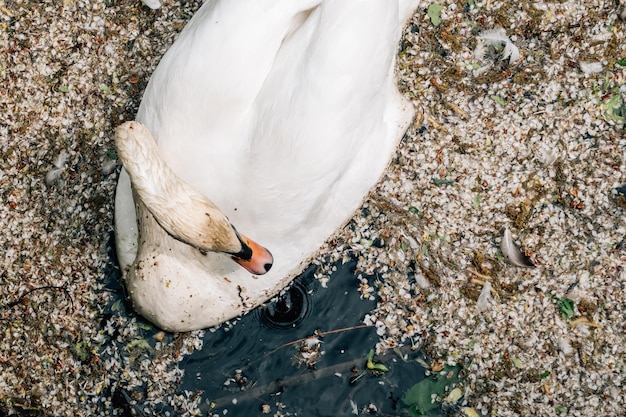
(284, 114)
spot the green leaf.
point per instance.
(434, 13)
(104, 88)
(476, 203)
(499, 100)
(138, 344)
(516, 362)
(439, 181)
(544, 374)
(566, 308)
(419, 397)
(144, 326)
(621, 62)
(454, 396)
(379, 367)
(414, 210)
(560, 409)
(116, 305)
(374, 366)
(614, 110)
(64, 89)
(82, 351)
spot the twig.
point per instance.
(275, 386)
(345, 329)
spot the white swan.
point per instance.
(284, 114)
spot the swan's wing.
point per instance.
(322, 117)
(198, 99)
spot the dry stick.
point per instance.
(274, 386)
(345, 329)
(257, 392)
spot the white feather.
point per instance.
(511, 253)
(355, 409)
(497, 37)
(484, 298)
(59, 167)
(153, 4)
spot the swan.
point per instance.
(259, 134)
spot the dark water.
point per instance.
(253, 367)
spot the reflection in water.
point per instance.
(297, 355)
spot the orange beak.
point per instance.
(261, 259)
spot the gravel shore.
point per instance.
(522, 130)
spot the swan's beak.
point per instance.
(256, 260)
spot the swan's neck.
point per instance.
(182, 211)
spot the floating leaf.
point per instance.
(516, 362)
(144, 326)
(621, 62)
(470, 412)
(614, 109)
(560, 409)
(374, 366)
(414, 210)
(499, 100)
(64, 89)
(476, 203)
(454, 396)
(104, 88)
(512, 254)
(566, 308)
(434, 13)
(370, 366)
(116, 305)
(138, 344)
(82, 351)
(419, 397)
(379, 367)
(439, 181)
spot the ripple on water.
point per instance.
(257, 365)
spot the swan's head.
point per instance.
(251, 256)
(181, 210)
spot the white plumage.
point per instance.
(281, 113)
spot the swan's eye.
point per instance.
(253, 257)
(245, 254)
